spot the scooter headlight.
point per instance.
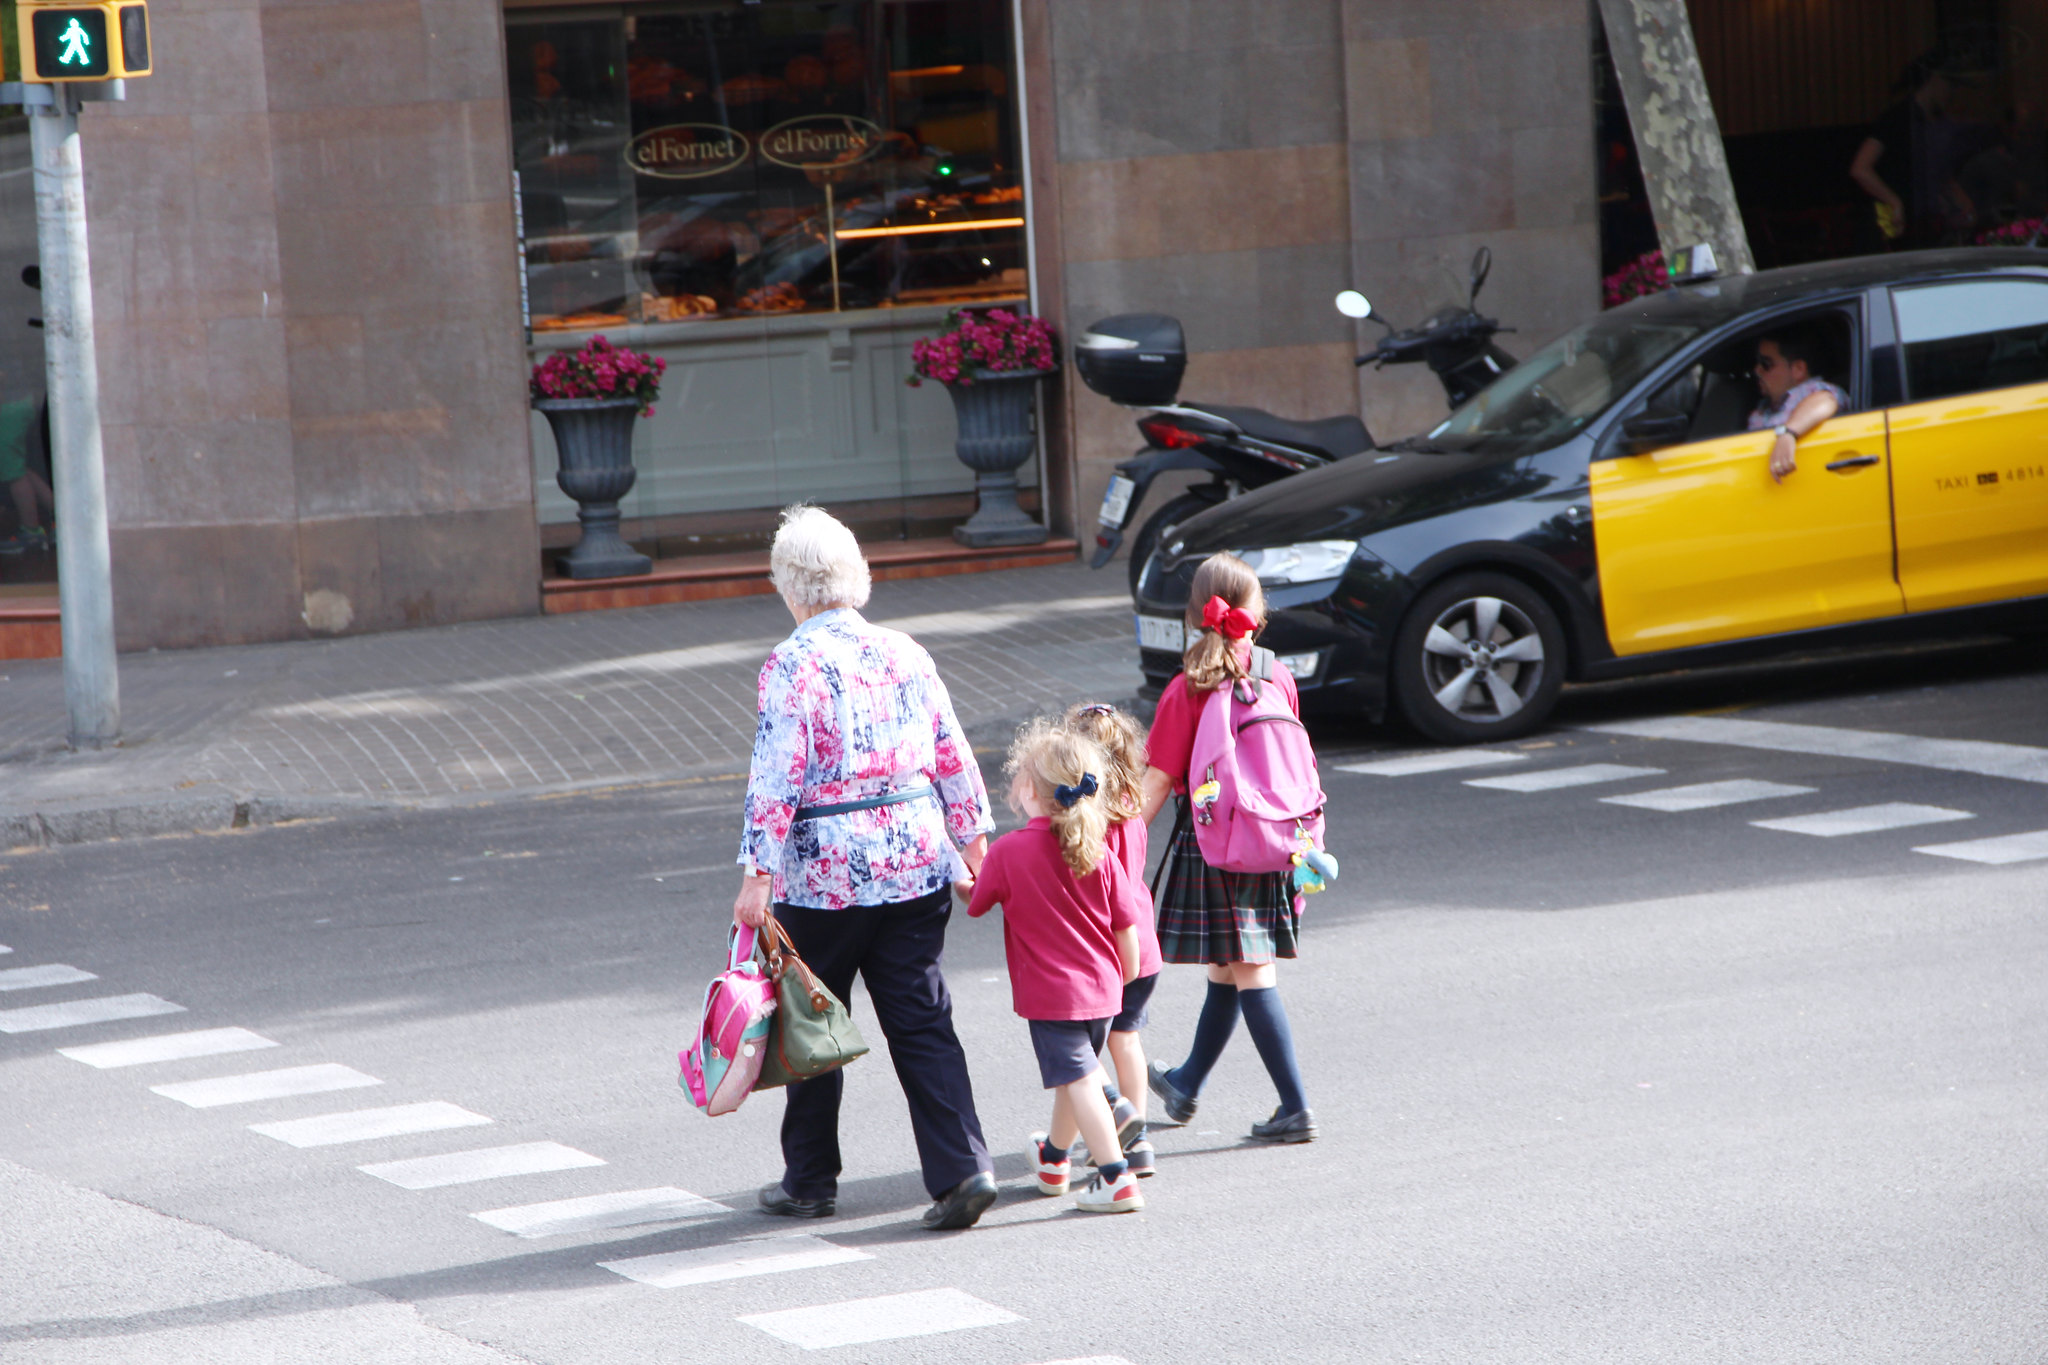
(1307, 562)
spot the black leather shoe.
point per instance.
(1180, 1106)
(960, 1206)
(783, 1204)
(1299, 1126)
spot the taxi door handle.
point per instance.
(1851, 462)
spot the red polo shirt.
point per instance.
(1059, 930)
(1127, 846)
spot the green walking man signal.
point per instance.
(91, 42)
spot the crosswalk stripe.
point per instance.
(72, 1013)
(215, 1091)
(2020, 762)
(4, 950)
(166, 1047)
(52, 974)
(360, 1125)
(1997, 852)
(1552, 779)
(1089, 1360)
(484, 1163)
(1833, 824)
(1703, 795)
(922, 1313)
(1437, 762)
(592, 1213)
(706, 1265)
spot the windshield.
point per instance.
(1550, 396)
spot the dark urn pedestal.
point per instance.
(995, 440)
(594, 444)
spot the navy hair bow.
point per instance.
(1067, 796)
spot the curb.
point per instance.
(87, 820)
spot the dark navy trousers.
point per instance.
(895, 949)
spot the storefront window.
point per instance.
(705, 160)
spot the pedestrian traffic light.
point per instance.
(90, 42)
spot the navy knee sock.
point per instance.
(1212, 1031)
(1265, 1018)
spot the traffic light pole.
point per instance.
(92, 682)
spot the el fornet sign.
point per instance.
(691, 151)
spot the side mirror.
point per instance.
(1482, 266)
(1353, 304)
(1650, 431)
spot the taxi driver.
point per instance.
(1794, 401)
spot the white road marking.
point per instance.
(1702, 795)
(215, 1091)
(2007, 848)
(53, 974)
(2020, 762)
(98, 1010)
(166, 1047)
(1441, 761)
(360, 1125)
(704, 1265)
(623, 1209)
(920, 1314)
(1090, 1360)
(4, 949)
(485, 1163)
(1833, 824)
(1551, 779)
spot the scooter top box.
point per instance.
(1136, 359)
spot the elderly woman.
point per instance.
(861, 786)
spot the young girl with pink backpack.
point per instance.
(1238, 808)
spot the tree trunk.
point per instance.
(1678, 140)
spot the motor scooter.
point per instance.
(1138, 359)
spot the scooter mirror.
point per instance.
(1482, 266)
(1353, 304)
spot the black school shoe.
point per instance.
(960, 1206)
(1179, 1105)
(1299, 1126)
(783, 1204)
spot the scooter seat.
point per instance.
(1335, 437)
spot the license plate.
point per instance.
(1161, 632)
(1116, 503)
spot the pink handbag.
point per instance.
(723, 1061)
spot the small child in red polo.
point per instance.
(1071, 938)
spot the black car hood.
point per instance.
(1349, 501)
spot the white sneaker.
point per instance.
(1048, 1177)
(1111, 1196)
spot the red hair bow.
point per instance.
(1232, 623)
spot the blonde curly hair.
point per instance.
(1050, 756)
(1122, 741)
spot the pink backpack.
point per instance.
(1252, 775)
(724, 1060)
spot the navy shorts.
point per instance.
(1137, 997)
(1067, 1048)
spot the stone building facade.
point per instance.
(308, 292)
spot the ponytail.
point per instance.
(1212, 657)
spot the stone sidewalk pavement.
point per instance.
(252, 734)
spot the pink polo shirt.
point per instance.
(1059, 930)
(1127, 846)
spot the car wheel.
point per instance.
(1173, 513)
(1479, 657)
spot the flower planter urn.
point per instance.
(594, 445)
(996, 438)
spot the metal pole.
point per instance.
(92, 682)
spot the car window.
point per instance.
(1973, 335)
(1717, 393)
(1552, 395)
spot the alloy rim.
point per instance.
(1482, 659)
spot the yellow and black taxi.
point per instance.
(1609, 506)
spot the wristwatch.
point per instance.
(1782, 430)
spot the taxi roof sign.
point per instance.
(103, 41)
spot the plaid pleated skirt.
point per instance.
(1210, 916)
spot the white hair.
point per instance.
(816, 562)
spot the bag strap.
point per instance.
(1180, 822)
(864, 803)
(1262, 663)
(736, 953)
(780, 952)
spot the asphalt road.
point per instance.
(1597, 1080)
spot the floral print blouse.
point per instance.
(850, 710)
